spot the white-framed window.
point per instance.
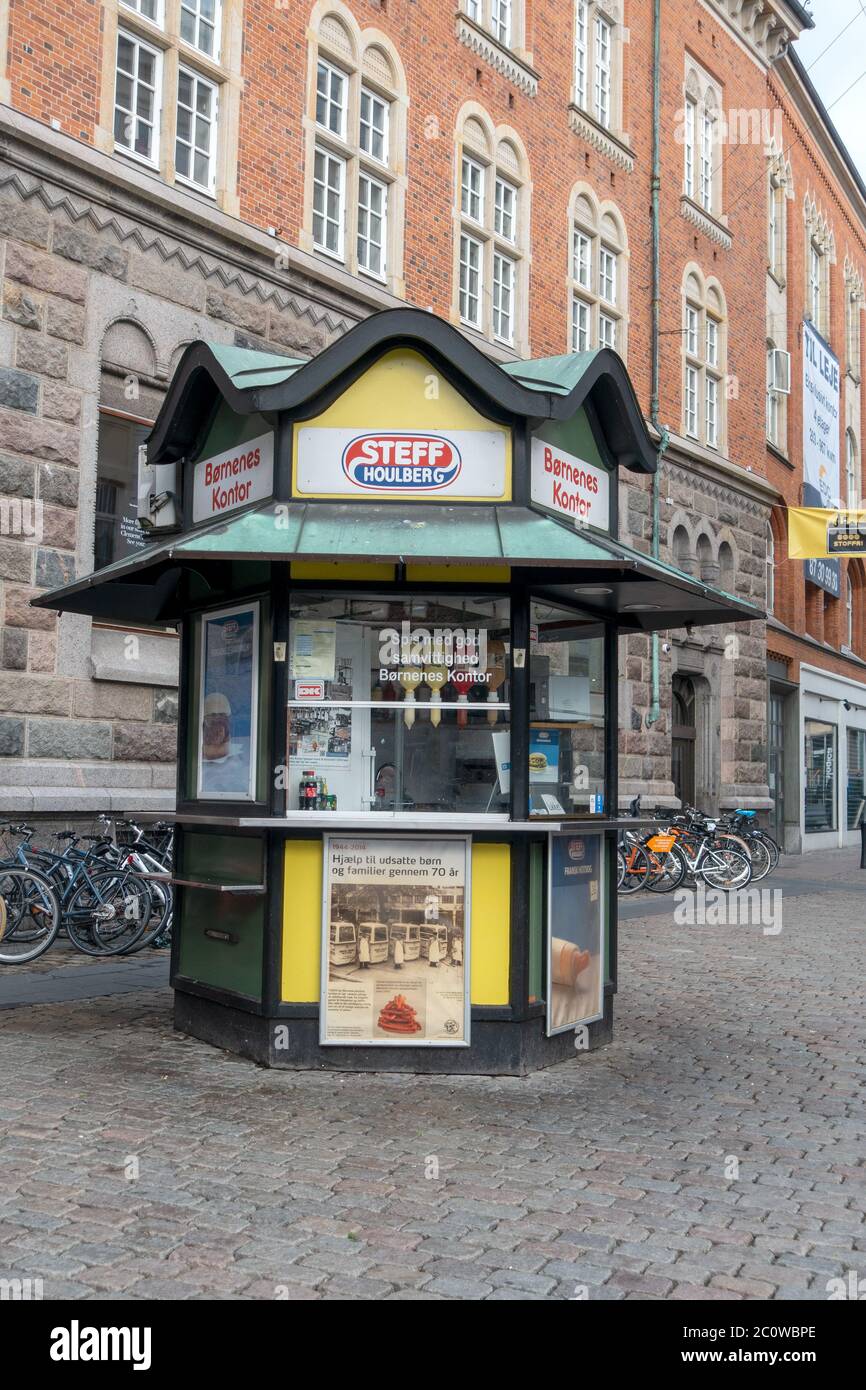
(597, 61)
(702, 107)
(708, 136)
(195, 139)
(472, 179)
(774, 433)
(329, 202)
(372, 224)
(503, 297)
(491, 232)
(849, 613)
(501, 18)
(607, 260)
(332, 91)
(150, 9)
(704, 354)
(505, 210)
(602, 76)
(691, 401)
(374, 125)
(471, 284)
(137, 89)
(581, 259)
(355, 184)
(500, 21)
(597, 283)
(581, 51)
(581, 319)
(690, 127)
(820, 252)
(200, 25)
(852, 469)
(855, 297)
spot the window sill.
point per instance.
(600, 138)
(504, 60)
(195, 187)
(137, 159)
(705, 222)
(779, 454)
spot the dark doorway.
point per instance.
(683, 740)
(776, 770)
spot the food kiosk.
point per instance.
(397, 576)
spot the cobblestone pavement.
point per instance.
(616, 1172)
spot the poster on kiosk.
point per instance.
(395, 942)
(575, 931)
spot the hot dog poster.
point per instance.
(395, 942)
(575, 931)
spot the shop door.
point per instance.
(683, 741)
(776, 771)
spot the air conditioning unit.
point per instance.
(157, 494)
(779, 371)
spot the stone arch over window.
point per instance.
(708, 565)
(854, 302)
(682, 547)
(820, 255)
(727, 566)
(776, 555)
(355, 139)
(705, 355)
(493, 194)
(598, 273)
(780, 190)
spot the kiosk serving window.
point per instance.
(567, 722)
(399, 704)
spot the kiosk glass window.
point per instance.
(399, 704)
(820, 764)
(567, 714)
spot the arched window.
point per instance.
(681, 549)
(701, 126)
(493, 230)
(727, 568)
(770, 565)
(820, 252)
(598, 278)
(130, 396)
(854, 301)
(501, 18)
(707, 566)
(852, 469)
(356, 136)
(598, 39)
(705, 356)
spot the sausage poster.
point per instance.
(395, 942)
(575, 936)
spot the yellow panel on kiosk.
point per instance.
(402, 432)
(490, 941)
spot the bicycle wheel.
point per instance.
(637, 870)
(108, 913)
(770, 846)
(620, 868)
(727, 869)
(161, 904)
(31, 915)
(760, 857)
(667, 872)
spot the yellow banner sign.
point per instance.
(816, 532)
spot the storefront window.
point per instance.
(399, 704)
(566, 733)
(856, 797)
(820, 765)
(117, 532)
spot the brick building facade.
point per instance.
(267, 174)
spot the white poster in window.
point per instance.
(395, 942)
(820, 421)
(568, 486)
(575, 931)
(314, 649)
(228, 705)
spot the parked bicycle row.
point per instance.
(686, 847)
(100, 891)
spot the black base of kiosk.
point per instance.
(500, 1047)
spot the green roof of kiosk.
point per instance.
(154, 584)
(644, 595)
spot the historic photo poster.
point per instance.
(395, 939)
(575, 931)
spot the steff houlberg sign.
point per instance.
(568, 486)
(410, 464)
(227, 481)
